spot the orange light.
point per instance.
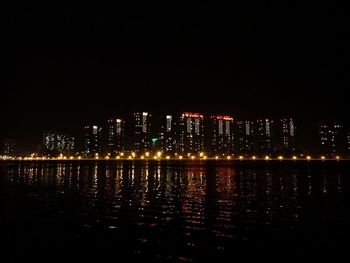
(225, 118)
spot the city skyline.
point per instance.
(175, 132)
(72, 65)
(190, 133)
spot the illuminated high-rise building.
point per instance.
(263, 136)
(244, 137)
(92, 140)
(332, 139)
(167, 135)
(69, 145)
(9, 148)
(284, 136)
(221, 134)
(56, 143)
(60, 142)
(141, 132)
(191, 133)
(116, 135)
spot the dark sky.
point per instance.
(67, 66)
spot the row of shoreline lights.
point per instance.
(158, 156)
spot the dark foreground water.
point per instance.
(172, 211)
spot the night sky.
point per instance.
(68, 66)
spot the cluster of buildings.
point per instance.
(56, 143)
(188, 134)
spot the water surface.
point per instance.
(172, 211)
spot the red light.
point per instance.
(192, 115)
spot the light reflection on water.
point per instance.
(167, 211)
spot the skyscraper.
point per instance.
(49, 141)
(167, 135)
(141, 132)
(191, 133)
(244, 137)
(332, 139)
(116, 135)
(9, 149)
(221, 134)
(284, 136)
(263, 136)
(92, 140)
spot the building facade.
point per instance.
(332, 139)
(116, 136)
(141, 132)
(284, 136)
(263, 133)
(191, 133)
(92, 140)
(56, 143)
(221, 134)
(244, 137)
(167, 134)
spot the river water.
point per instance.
(172, 211)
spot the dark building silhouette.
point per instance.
(167, 134)
(332, 139)
(93, 140)
(220, 133)
(191, 133)
(244, 137)
(141, 130)
(348, 143)
(116, 135)
(9, 147)
(284, 136)
(263, 133)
